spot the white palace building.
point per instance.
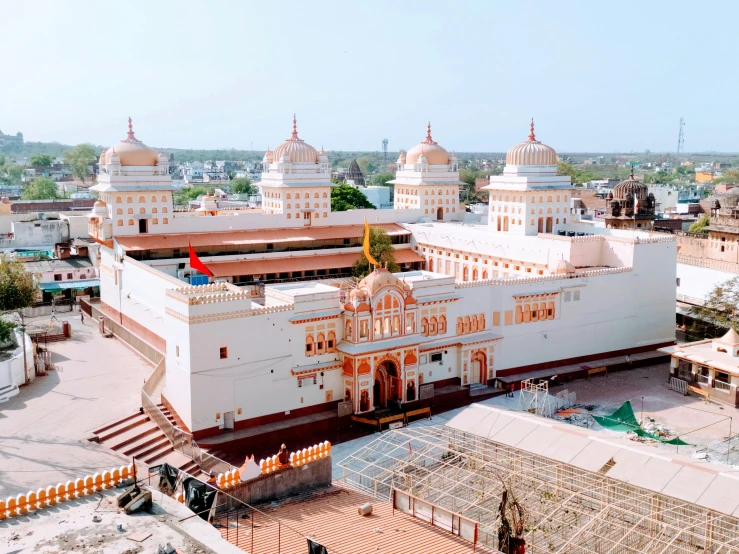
(280, 331)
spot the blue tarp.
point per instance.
(65, 285)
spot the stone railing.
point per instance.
(543, 278)
(271, 465)
(711, 264)
(56, 494)
(272, 309)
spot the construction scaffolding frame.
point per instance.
(571, 510)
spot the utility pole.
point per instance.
(384, 155)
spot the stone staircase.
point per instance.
(137, 436)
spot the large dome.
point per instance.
(435, 154)
(531, 152)
(629, 188)
(296, 149)
(131, 151)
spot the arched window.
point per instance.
(465, 274)
(433, 326)
(519, 314)
(164, 198)
(466, 324)
(431, 264)
(325, 195)
(549, 198)
(396, 325)
(142, 210)
(309, 345)
(526, 314)
(119, 211)
(460, 326)
(153, 198)
(534, 311)
(120, 222)
(164, 210)
(331, 342)
(118, 199)
(558, 196)
(287, 196)
(424, 327)
(297, 195)
(348, 330)
(378, 328)
(153, 210)
(130, 221)
(129, 200)
(289, 216)
(542, 311)
(315, 205)
(142, 199)
(317, 215)
(442, 324)
(320, 343)
(481, 323)
(315, 195)
(155, 221)
(288, 205)
(473, 324)
(325, 205)
(485, 274)
(550, 310)
(165, 221)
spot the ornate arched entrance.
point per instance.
(440, 214)
(479, 369)
(388, 385)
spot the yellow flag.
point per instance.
(367, 254)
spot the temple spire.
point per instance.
(532, 136)
(429, 140)
(131, 137)
(295, 128)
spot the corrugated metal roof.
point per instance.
(703, 483)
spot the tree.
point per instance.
(381, 248)
(10, 174)
(79, 159)
(366, 166)
(41, 160)
(42, 188)
(381, 179)
(17, 286)
(346, 197)
(721, 307)
(700, 225)
(182, 196)
(242, 186)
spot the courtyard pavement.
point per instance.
(43, 429)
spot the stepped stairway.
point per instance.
(138, 436)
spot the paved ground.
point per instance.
(42, 429)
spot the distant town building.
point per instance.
(630, 205)
(11, 139)
(379, 196)
(354, 175)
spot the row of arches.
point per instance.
(142, 199)
(535, 311)
(321, 344)
(426, 192)
(432, 326)
(297, 195)
(288, 206)
(316, 215)
(508, 198)
(470, 324)
(119, 211)
(155, 221)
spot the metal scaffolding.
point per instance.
(571, 510)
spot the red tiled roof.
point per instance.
(331, 519)
(247, 237)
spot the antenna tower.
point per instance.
(681, 138)
(384, 154)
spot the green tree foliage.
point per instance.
(346, 197)
(6, 327)
(381, 248)
(10, 174)
(242, 186)
(730, 176)
(721, 307)
(381, 179)
(186, 194)
(79, 159)
(17, 286)
(41, 160)
(700, 225)
(42, 188)
(366, 165)
(578, 176)
(660, 177)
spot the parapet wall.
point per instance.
(284, 482)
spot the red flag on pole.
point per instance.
(195, 262)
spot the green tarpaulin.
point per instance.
(624, 420)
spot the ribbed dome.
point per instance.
(296, 149)
(531, 152)
(435, 154)
(730, 199)
(131, 151)
(629, 188)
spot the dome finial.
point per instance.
(532, 136)
(131, 137)
(295, 127)
(428, 140)
(632, 169)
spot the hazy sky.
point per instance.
(596, 76)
